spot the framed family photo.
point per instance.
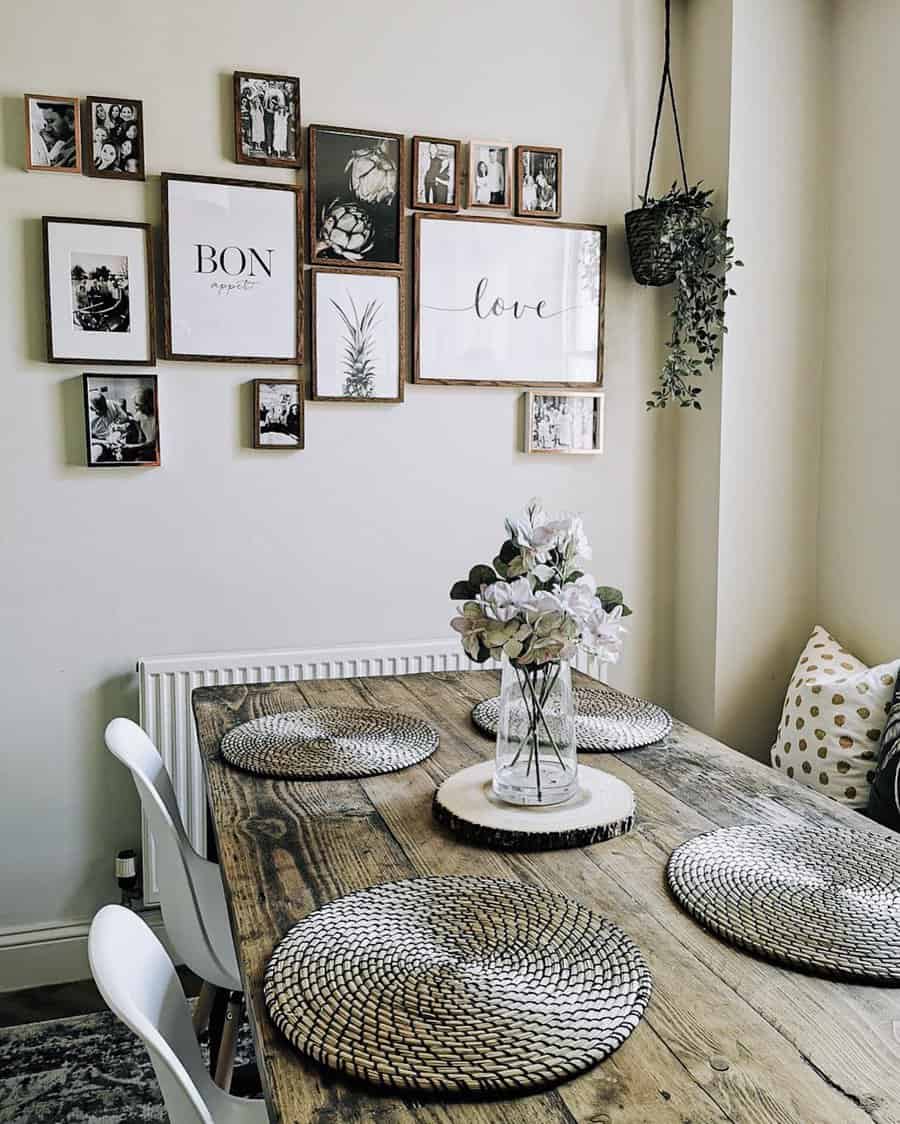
(538, 181)
(357, 184)
(98, 284)
(52, 134)
(114, 140)
(564, 421)
(232, 270)
(277, 414)
(121, 420)
(489, 178)
(267, 120)
(508, 302)
(359, 338)
(436, 174)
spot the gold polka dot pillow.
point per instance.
(834, 713)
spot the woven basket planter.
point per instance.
(651, 261)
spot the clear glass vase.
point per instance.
(536, 761)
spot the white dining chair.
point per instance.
(190, 888)
(139, 983)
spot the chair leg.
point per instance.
(225, 1062)
(216, 1026)
(203, 1008)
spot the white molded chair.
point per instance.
(138, 981)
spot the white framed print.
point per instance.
(358, 335)
(564, 421)
(98, 285)
(508, 302)
(232, 270)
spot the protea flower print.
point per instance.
(347, 229)
(359, 343)
(373, 173)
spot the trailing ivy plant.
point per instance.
(703, 254)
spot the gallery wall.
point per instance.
(356, 538)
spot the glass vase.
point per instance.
(536, 758)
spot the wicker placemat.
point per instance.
(457, 985)
(606, 720)
(824, 899)
(603, 808)
(329, 741)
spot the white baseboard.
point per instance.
(53, 954)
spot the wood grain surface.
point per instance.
(726, 1037)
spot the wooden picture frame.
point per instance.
(533, 443)
(134, 125)
(538, 206)
(240, 141)
(419, 184)
(591, 265)
(259, 441)
(122, 451)
(356, 312)
(105, 338)
(36, 145)
(344, 221)
(479, 189)
(170, 350)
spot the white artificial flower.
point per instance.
(508, 599)
(578, 600)
(602, 633)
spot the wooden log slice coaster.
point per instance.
(602, 809)
(465, 986)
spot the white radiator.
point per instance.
(165, 685)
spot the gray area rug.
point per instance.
(89, 1069)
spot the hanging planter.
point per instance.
(672, 239)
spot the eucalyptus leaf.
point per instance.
(481, 575)
(462, 591)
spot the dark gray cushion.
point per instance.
(884, 796)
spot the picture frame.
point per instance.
(121, 420)
(538, 181)
(232, 240)
(99, 291)
(278, 414)
(357, 185)
(52, 134)
(442, 183)
(114, 138)
(564, 422)
(358, 335)
(263, 128)
(490, 188)
(463, 334)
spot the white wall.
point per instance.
(859, 528)
(358, 537)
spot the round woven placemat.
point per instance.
(457, 985)
(603, 808)
(824, 899)
(329, 742)
(606, 720)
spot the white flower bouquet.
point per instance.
(536, 605)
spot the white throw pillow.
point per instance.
(834, 712)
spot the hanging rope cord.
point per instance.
(666, 84)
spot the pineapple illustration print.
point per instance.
(359, 346)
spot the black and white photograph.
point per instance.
(114, 141)
(267, 119)
(277, 414)
(539, 183)
(564, 423)
(121, 416)
(359, 342)
(436, 174)
(489, 175)
(52, 134)
(357, 186)
(232, 261)
(99, 290)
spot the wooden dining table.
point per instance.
(726, 1036)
